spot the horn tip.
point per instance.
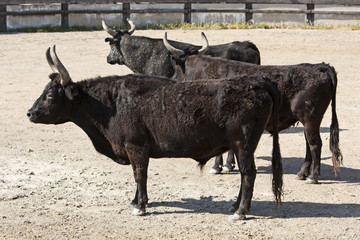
(103, 24)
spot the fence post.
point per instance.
(187, 12)
(126, 12)
(64, 15)
(310, 17)
(3, 23)
(248, 14)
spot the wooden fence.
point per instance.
(186, 10)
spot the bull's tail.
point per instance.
(337, 157)
(277, 181)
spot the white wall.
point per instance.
(143, 19)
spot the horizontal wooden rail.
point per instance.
(186, 10)
(317, 2)
(165, 10)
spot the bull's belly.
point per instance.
(198, 149)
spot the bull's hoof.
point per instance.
(311, 181)
(131, 205)
(232, 209)
(138, 212)
(298, 177)
(237, 217)
(214, 171)
(227, 170)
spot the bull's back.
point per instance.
(237, 51)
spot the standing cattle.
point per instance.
(149, 56)
(134, 117)
(307, 90)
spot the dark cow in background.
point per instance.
(149, 56)
(134, 117)
(307, 90)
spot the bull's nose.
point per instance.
(30, 115)
(111, 61)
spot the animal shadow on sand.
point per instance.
(296, 129)
(268, 209)
(259, 209)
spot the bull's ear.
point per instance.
(175, 61)
(71, 91)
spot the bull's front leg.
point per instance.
(246, 192)
(139, 159)
(135, 201)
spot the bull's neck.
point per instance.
(91, 113)
(143, 55)
(134, 56)
(93, 117)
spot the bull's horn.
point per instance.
(173, 50)
(50, 61)
(108, 30)
(205, 46)
(132, 26)
(64, 74)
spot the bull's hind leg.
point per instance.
(312, 132)
(139, 161)
(248, 174)
(217, 168)
(244, 152)
(230, 162)
(218, 165)
(305, 169)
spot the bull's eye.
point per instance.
(49, 96)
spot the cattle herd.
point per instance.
(195, 102)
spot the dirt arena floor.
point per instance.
(54, 185)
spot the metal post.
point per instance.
(187, 12)
(3, 23)
(64, 16)
(126, 12)
(248, 14)
(310, 17)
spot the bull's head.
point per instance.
(115, 56)
(54, 104)
(179, 56)
(180, 53)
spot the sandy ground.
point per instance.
(54, 185)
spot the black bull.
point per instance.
(306, 89)
(131, 118)
(149, 56)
